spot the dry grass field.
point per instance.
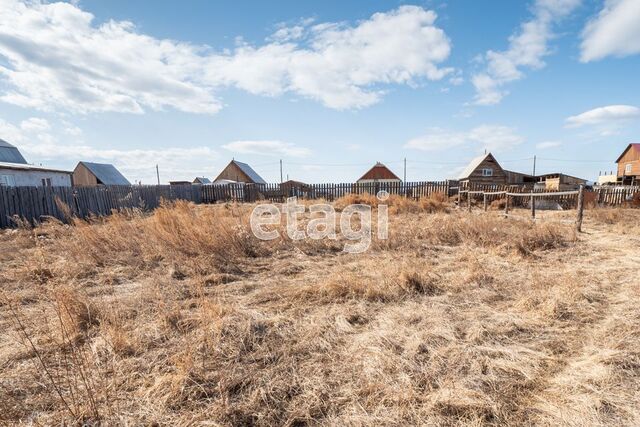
(182, 317)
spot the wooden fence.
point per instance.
(35, 203)
(601, 196)
(330, 192)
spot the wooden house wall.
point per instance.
(234, 173)
(499, 175)
(631, 156)
(83, 176)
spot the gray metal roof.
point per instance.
(28, 167)
(201, 180)
(106, 173)
(10, 154)
(250, 172)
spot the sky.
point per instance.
(328, 87)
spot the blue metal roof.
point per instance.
(257, 179)
(107, 174)
(10, 154)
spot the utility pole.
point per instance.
(280, 171)
(158, 174)
(405, 169)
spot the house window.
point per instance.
(46, 182)
(7, 181)
(487, 172)
(627, 168)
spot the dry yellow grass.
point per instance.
(183, 318)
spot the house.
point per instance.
(629, 165)
(91, 174)
(484, 169)
(202, 180)
(378, 173)
(559, 182)
(16, 172)
(239, 172)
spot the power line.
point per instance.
(338, 164)
(575, 161)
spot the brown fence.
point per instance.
(601, 196)
(330, 192)
(34, 203)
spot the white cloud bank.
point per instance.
(545, 145)
(43, 145)
(527, 48)
(271, 148)
(34, 124)
(610, 114)
(489, 137)
(614, 32)
(53, 56)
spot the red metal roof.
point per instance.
(379, 171)
(635, 146)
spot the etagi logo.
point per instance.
(323, 222)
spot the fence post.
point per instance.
(469, 201)
(580, 208)
(533, 205)
(484, 195)
(459, 196)
(506, 204)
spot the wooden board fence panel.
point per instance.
(34, 204)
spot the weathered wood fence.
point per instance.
(601, 196)
(33, 204)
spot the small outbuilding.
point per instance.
(378, 173)
(239, 172)
(25, 175)
(92, 174)
(295, 188)
(559, 182)
(16, 172)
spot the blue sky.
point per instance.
(328, 87)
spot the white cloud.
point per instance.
(604, 115)
(34, 124)
(53, 56)
(135, 164)
(527, 48)
(73, 130)
(489, 137)
(10, 133)
(548, 144)
(437, 139)
(614, 32)
(272, 148)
